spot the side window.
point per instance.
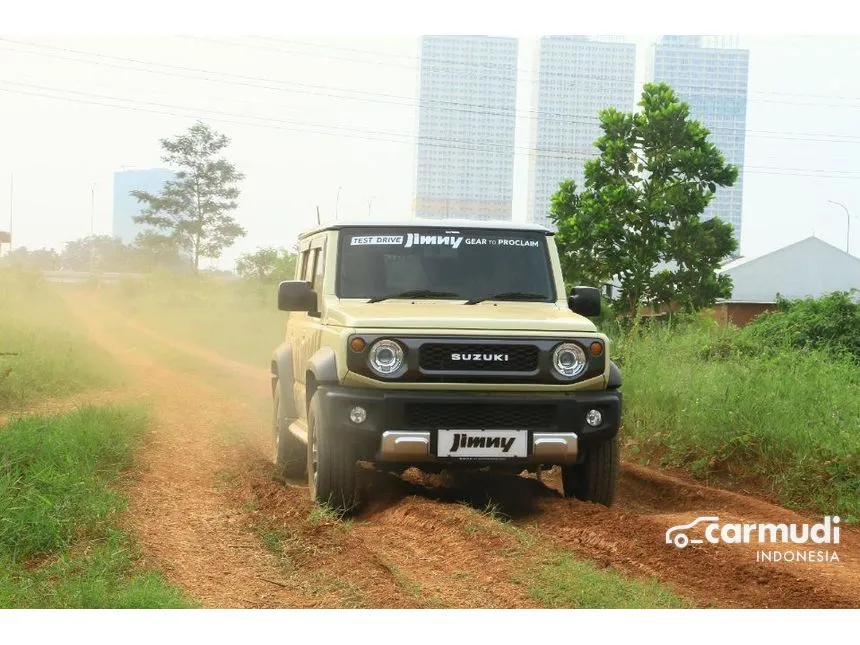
(319, 268)
(302, 264)
(308, 272)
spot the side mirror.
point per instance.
(585, 301)
(296, 295)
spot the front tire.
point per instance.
(596, 478)
(331, 463)
(289, 451)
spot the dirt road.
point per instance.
(208, 514)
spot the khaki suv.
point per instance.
(441, 345)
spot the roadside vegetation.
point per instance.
(43, 352)
(61, 544)
(239, 319)
(774, 406)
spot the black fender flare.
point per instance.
(614, 377)
(282, 376)
(323, 365)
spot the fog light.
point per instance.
(593, 418)
(358, 415)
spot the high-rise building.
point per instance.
(466, 122)
(577, 77)
(710, 74)
(125, 207)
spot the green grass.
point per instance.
(60, 545)
(239, 320)
(43, 352)
(325, 514)
(562, 582)
(273, 539)
(786, 420)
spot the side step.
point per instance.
(299, 430)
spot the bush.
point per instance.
(828, 323)
(704, 399)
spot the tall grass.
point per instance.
(786, 420)
(60, 545)
(43, 352)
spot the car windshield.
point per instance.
(452, 264)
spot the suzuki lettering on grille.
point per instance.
(499, 358)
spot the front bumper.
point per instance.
(415, 446)
(400, 426)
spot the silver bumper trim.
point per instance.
(547, 447)
(400, 445)
(554, 447)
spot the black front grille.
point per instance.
(479, 415)
(486, 358)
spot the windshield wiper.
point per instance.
(417, 293)
(508, 295)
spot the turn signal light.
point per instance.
(596, 348)
(357, 344)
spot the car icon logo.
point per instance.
(681, 539)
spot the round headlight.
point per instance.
(568, 360)
(385, 357)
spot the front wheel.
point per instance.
(331, 463)
(596, 478)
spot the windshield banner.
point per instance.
(454, 241)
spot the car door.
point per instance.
(306, 334)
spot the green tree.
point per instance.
(194, 209)
(268, 264)
(40, 259)
(97, 253)
(636, 221)
(152, 250)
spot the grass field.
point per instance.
(787, 421)
(240, 320)
(60, 543)
(43, 353)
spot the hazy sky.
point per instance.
(316, 127)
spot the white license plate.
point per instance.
(482, 444)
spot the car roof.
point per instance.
(420, 222)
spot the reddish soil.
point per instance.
(209, 515)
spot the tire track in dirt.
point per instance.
(207, 537)
(176, 510)
(418, 545)
(630, 537)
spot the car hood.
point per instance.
(447, 315)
